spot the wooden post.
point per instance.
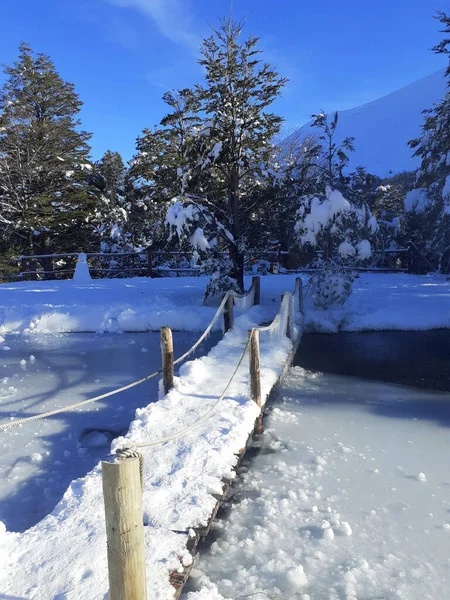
(256, 282)
(124, 530)
(299, 287)
(289, 323)
(254, 366)
(167, 358)
(24, 268)
(228, 316)
(149, 263)
(255, 374)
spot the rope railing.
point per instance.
(282, 321)
(70, 407)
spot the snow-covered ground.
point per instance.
(38, 460)
(385, 302)
(105, 305)
(379, 301)
(347, 499)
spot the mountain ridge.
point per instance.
(383, 127)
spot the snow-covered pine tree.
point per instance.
(153, 179)
(333, 157)
(427, 207)
(44, 158)
(215, 148)
(111, 215)
(336, 218)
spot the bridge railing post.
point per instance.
(167, 358)
(122, 494)
(228, 316)
(256, 283)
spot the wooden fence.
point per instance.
(159, 263)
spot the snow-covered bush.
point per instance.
(341, 232)
(331, 285)
(218, 285)
(333, 225)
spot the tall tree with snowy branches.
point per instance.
(427, 207)
(44, 157)
(215, 146)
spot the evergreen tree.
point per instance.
(111, 215)
(215, 148)
(334, 216)
(44, 159)
(427, 218)
(333, 157)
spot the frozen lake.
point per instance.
(39, 459)
(346, 494)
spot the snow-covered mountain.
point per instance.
(383, 127)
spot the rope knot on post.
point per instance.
(124, 453)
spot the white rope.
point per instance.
(57, 411)
(235, 295)
(202, 418)
(207, 330)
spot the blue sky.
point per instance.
(122, 55)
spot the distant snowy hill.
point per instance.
(382, 128)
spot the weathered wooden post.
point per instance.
(228, 316)
(299, 287)
(256, 282)
(410, 259)
(124, 530)
(149, 263)
(255, 374)
(167, 358)
(289, 318)
(24, 268)
(254, 366)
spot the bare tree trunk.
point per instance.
(236, 256)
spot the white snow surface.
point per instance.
(387, 301)
(379, 301)
(336, 506)
(63, 370)
(104, 305)
(65, 554)
(383, 127)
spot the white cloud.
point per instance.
(170, 16)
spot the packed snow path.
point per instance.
(38, 373)
(347, 498)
